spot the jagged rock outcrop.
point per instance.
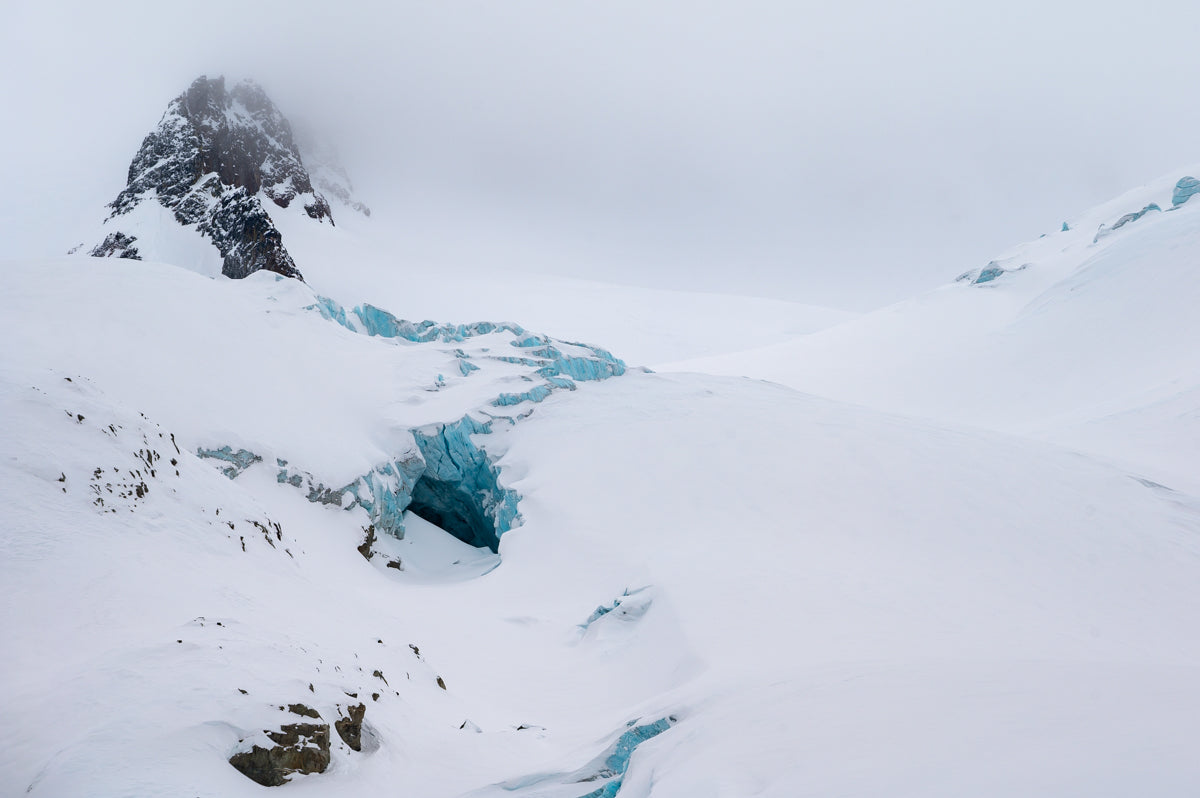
(349, 727)
(117, 245)
(298, 748)
(216, 155)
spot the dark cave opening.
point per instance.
(457, 511)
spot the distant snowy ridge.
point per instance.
(219, 160)
(1085, 335)
(1091, 227)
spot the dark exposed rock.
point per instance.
(117, 245)
(246, 237)
(304, 710)
(299, 748)
(213, 157)
(239, 136)
(364, 548)
(349, 728)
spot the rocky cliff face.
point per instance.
(215, 159)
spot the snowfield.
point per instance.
(1089, 340)
(716, 586)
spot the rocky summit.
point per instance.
(218, 160)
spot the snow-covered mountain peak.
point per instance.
(221, 160)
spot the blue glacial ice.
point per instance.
(535, 394)
(367, 319)
(558, 363)
(236, 461)
(384, 491)
(1124, 220)
(608, 769)
(1184, 189)
(617, 762)
(451, 481)
(459, 489)
(630, 605)
(988, 273)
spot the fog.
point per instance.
(847, 154)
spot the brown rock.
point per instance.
(305, 710)
(299, 748)
(349, 728)
(364, 548)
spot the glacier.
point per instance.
(990, 549)
(446, 478)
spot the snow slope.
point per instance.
(1087, 339)
(361, 260)
(721, 587)
(374, 260)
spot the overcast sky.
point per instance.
(846, 153)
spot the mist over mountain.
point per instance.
(850, 156)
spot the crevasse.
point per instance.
(447, 479)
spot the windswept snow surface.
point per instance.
(1086, 337)
(814, 598)
(372, 260)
